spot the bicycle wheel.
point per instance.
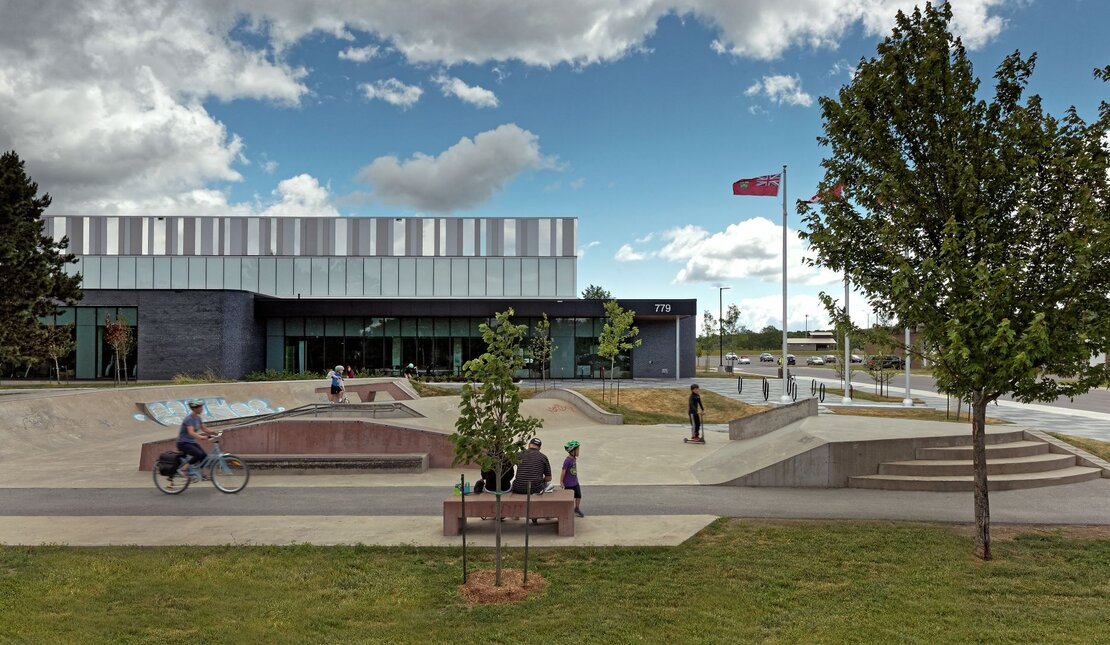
(170, 484)
(229, 474)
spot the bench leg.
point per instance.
(451, 524)
(566, 525)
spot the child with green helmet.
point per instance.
(569, 476)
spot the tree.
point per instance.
(594, 292)
(32, 279)
(730, 324)
(708, 330)
(542, 347)
(617, 335)
(984, 222)
(490, 429)
(121, 338)
(54, 342)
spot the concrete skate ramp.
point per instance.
(824, 451)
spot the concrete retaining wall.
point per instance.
(1082, 457)
(586, 406)
(322, 436)
(762, 423)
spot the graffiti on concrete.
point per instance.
(172, 413)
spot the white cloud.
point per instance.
(463, 176)
(757, 313)
(582, 249)
(472, 94)
(359, 54)
(626, 254)
(392, 91)
(301, 196)
(781, 89)
(746, 250)
(578, 184)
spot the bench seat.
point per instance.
(557, 504)
(339, 463)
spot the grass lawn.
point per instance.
(859, 394)
(736, 582)
(1100, 449)
(921, 414)
(650, 406)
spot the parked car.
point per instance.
(790, 360)
(830, 359)
(744, 360)
(731, 356)
(815, 360)
(766, 357)
(856, 358)
(886, 362)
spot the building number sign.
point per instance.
(663, 308)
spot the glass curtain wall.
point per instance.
(434, 345)
(92, 356)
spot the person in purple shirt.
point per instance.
(569, 476)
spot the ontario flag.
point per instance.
(765, 186)
(837, 191)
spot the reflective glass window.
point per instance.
(547, 277)
(408, 327)
(477, 277)
(90, 272)
(109, 273)
(512, 276)
(354, 276)
(319, 276)
(267, 276)
(460, 327)
(215, 269)
(459, 277)
(495, 277)
(371, 277)
(392, 327)
(294, 326)
(284, 286)
(564, 282)
(127, 278)
(302, 276)
(250, 274)
(66, 315)
(144, 273)
(374, 328)
(161, 273)
(337, 277)
(352, 326)
(389, 276)
(425, 327)
(424, 276)
(441, 281)
(406, 277)
(441, 327)
(179, 272)
(314, 326)
(529, 277)
(275, 327)
(196, 273)
(233, 273)
(334, 326)
(105, 315)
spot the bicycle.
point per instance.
(228, 473)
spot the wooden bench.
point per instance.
(557, 504)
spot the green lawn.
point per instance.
(1100, 449)
(734, 582)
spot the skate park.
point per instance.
(76, 469)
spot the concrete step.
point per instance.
(994, 451)
(957, 483)
(1002, 466)
(292, 464)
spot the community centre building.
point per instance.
(242, 294)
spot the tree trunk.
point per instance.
(117, 368)
(497, 525)
(979, 466)
(57, 371)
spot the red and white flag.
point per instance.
(765, 186)
(837, 191)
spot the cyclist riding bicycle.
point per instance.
(189, 435)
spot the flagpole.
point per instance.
(785, 366)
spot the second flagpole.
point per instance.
(785, 366)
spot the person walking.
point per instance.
(695, 408)
(569, 475)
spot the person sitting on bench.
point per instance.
(534, 470)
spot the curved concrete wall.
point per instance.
(767, 421)
(323, 436)
(586, 406)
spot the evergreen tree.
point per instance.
(32, 280)
(980, 220)
(594, 292)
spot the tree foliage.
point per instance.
(54, 342)
(982, 221)
(594, 292)
(121, 338)
(543, 346)
(618, 335)
(490, 430)
(32, 280)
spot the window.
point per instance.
(477, 271)
(196, 272)
(495, 277)
(406, 277)
(337, 277)
(372, 277)
(250, 274)
(354, 276)
(179, 272)
(319, 276)
(389, 276)
(459, 277)
(529, 277)
(424, 276)
(161, 273)
(302, 276)
(90, 272)
(233, 273)
(267, 276)
(109, 273)
(512, 276)
(215, 269)
(284, 280)
(547, 277)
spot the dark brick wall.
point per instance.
(191, 331)
(657, 351)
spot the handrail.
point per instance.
(310, 408)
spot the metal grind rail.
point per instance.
(361, 410)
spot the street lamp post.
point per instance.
(807, 325)
(721, 325)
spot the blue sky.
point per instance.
(633, 116)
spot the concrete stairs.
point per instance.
(1012, 463)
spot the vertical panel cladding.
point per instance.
(688, 332)
(414, 236)
(385, 237)
(328, 246)
(568, 249)
(532, 235)
(205, 235)
(454, 236)
(76, 234)
(365, 246)
(189, 241)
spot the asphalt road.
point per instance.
(1086, 503)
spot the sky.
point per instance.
(634, 116)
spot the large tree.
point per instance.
(594, 292)
(32, 280)
(981, 220)
(490, 429)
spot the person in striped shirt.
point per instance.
(534, 470)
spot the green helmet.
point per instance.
(571, 445)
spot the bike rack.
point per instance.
(821, 393)
(766, 390)
(740, 385)
(813, 387)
